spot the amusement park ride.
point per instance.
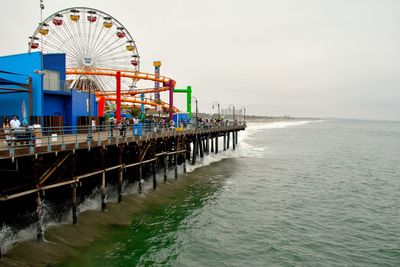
(102, 57)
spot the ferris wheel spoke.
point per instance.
(107, 38)
(70, 28)
(62, 37)
(63, 42)
(102, 41)
(81, 40)
(57, 47)
(82, 34)
(62, 47)
(88, 39)
(106, 82)
(109, 50)
(115, 54)
(105, 45)
(92, 40)
(120, 60)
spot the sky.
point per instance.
(304, 58)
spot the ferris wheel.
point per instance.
(92, 40)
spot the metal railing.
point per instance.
(44, 139)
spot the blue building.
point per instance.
(36, 85)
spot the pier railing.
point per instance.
(32, 140)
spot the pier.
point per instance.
(65, 167)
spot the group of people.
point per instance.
(10, 126)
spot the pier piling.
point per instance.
(74, 204)
(216, 144)
(200, 142)
(224, 145)
(154, 175)
(228, 140)
(165, 167)
(233, 140)
(194, 150)
(39, 217)
(103, 191)
(121, 174)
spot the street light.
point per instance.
(195, 99)
(244, 114)
(216, 102)
(233, 117)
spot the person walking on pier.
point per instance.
(15, 123)
(112, 122)
(6, 129)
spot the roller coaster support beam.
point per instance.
(157, 65)
(171, 84)
(118, 104)
(188, 92)
(142, 107)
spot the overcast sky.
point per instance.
(320, 58)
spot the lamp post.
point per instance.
(233, 117)
(89, 125)
(195, 99)
(216, 102)
(244, 114)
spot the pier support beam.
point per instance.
(208, 144)
(103, 191)
(176, 166)
(74, 204)
(212, 144)
(175, 158)
(228, 140)
(121, 174)
(154, 175)
(200, 142)
(140, 184)
(165, 166)
(216, 144)
(184, 163)
(194, 150)
(236, 137)
(39, 217)
(224, 145)
(233, 140)
(103, 181)
(187, 149)
(74, 186)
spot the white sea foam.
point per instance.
(278, 124)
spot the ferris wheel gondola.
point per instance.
(91, 40)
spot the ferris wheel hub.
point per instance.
(87, 61)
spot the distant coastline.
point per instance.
(254, 118)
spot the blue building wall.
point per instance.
(55, 62)
(24, 64)
(55, 105)
(79, 105)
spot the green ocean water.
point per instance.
(321, 193)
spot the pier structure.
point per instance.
(67, 167)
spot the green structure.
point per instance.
(188, 92)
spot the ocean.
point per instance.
(296, 193)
